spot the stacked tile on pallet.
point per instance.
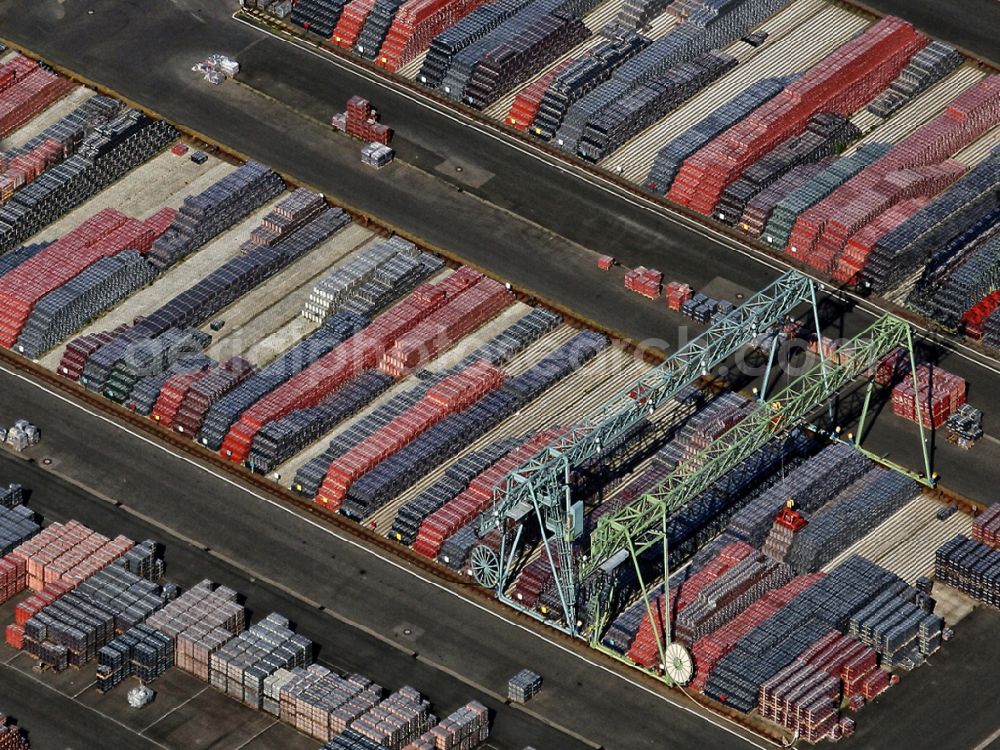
(240, 667)
(952, 255)
(940, 394)
(971, 275)
(214, 210)
(468, 727)
(451, 394)
(860, 245)
(770, 647)
(172, 393)
(319, 16)
(316, 701)
(140, 651)
(684, 590)
(912, 168)
(900, 626)
(573, 80)
(375, 27)
(842, 82)
(825, 134)
(78, 351)
(55, 143)
(11, 737)
(986, 526)
(104, 234)
(146, 391)
(11, 495)
(901, 251)
(441, 329)
(17, 525)
(758, 209)
(728, 595)
(311, 475)
(526, 40)
(450, 435)
(348, 276)
(448, 43)
(19, 255)
(455, 479)
(73, 627)
(856, 511)
(465, 506)
(199, 622)
(349, 25)
(219, 381)
(144, 357)
(649, 101)
(970, 566)
(524, 108)
(239, 274)
(536, 43)
(669, 158)
(355, 355)
(927, 67)
(396, 278)
(416, 23)
(279, 440)
(67, 553)
(715, 27)
(805, 696)
(810, 485)
(396, 721)
(105, 155)
(226, 408)
(707, 650)
(783, 217)
(65, 310)
(28, 89)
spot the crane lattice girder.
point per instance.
(640, 523)
(541, 478)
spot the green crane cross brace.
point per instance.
(540, 487)
(641, 525)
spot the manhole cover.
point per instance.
(407, 632)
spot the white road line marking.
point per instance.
(863, 303)
(175, 708)
(51, 689)
(416, 574)
(986, 743)
(84, 690)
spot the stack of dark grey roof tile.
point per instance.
(215, 210)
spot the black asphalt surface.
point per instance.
(971, 24)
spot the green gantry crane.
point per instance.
(540, 488)
(642, 525)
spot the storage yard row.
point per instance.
(84, 599)
(845, 143)
(264, 325)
